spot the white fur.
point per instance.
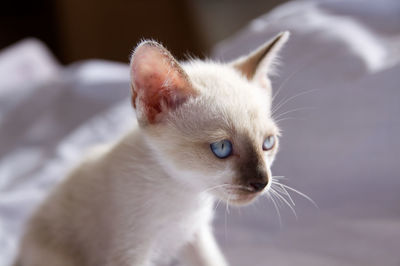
(149, 196)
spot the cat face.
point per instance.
(209, 123)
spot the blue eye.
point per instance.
(269, 143)
(222, 149)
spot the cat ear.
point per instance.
(158, 82)
(256, 65)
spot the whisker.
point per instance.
(283, 119)
(227, 204)
(270, 196)
(227, 212)
(301, 194)
(285, 101)
(217, 204)
(278, 200)
(231, 186)
(286, 202)
(215, 187)
(287, 194)
(303, 66)
(293, 110)
(278, 188)
(289, 77)
(239, 186)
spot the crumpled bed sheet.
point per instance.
(339, 92)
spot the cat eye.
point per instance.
(221, 149)
(269, 143)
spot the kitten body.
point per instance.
(149, 197)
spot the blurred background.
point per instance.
(76, 30)
(337, 101)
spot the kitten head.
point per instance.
(209, 123)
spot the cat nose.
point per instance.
(257, 186)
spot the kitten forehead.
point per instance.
(228, 105)
(229, 87)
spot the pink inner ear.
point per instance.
(158, 80)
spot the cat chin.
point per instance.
(242, 201)
(238, 199)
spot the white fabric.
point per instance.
(344, 152)
(49, 116)
(340, 71)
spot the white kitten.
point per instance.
(205, 131)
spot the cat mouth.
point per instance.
(240, 196)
